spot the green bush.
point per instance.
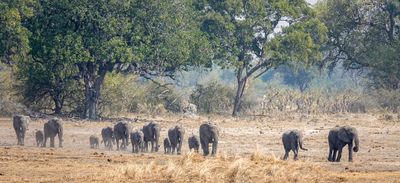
(213, 98)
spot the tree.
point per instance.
(364, 35)
(246, 36)
(86, 39)
(297, 76)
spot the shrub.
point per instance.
(213, 98)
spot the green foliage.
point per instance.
(14, 43)
(364, 34)
(212, 98)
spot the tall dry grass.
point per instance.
(193, 167)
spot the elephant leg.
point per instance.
(22, 138)
(286, 154)
(339, 155)
(152, 146)
(51, 141)
(204, 146)
(214, 148)
(60, 140)
(178, 150)
(334, 155)
(330, 158)
(125, 144)
(296, 154)
(45, 141)
(117, 145)
(350, 152)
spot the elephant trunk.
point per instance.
(301, 144)
(356, 142)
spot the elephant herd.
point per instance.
(149, 134)
(51, 129)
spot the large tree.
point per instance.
(246, 36)
(86, 39)
(364, 35)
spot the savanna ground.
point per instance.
(249, 151)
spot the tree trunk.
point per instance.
(58, 107)
(93, 79)
(239, 95)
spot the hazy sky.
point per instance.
(312, 1)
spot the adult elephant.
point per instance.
(20, 124)
(338, 138)
(121, 132)
(151, 133)
(209, 133)
(175, 136)
(52, 128)
(292, 140)
(107, 134)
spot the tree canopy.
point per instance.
(246, 36)
(364, 35)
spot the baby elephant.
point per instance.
(167, 146)
(94, 142)
(39, 138)
(194, 143)
(291, 141)
(137, 141)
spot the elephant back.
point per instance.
(53, 126)
(151, 131)
(209, 131)
(21, 121)
(137, 136)
(121, 130)
(107, 132)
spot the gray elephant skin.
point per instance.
(52, 128)
(194, 143)
(94, 142)
(176, 137)
(20, 124)
(338, 138)
(107, 134)
(167, 146)
(137, 141)
(292, 140)
(151, 133)
(209, 133)
(121, 132)
(39, 138)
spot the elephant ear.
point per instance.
(344, 136)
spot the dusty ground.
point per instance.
(249, 151)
